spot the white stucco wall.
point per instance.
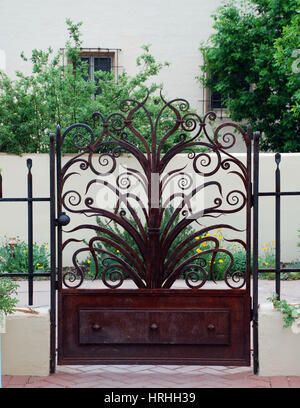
(13, 216)
(26, 344)
(173, 27)
(279, 351)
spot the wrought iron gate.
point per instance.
(155, 252)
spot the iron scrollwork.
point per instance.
(153, 260)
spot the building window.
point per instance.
(215, 99)
(216, 102)
(99, 59)
(96, 63)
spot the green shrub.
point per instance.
(7, 290)
(16, 260)
(32, 105)
(290, 313)
(267, 261)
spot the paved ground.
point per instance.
(153, 376)
(290, 290)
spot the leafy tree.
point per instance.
(241, 54)
(32, 105)
(288, 59)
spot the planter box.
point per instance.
(279, 348)
(26, 344)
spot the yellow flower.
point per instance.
(118, 250)
(208, 235)
(220, 229)
(258, 259)
(266, 244)
(46, 247)
(274, 242)
(264, 249)
(215, 234)
(204, 243)
(37, 264)
(266, 263)
(198, 250)
(220, 237)
(41, 267)
(221, 260)
(88, 261)
(196, 237)
(24, 252)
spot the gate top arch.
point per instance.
(156, 260)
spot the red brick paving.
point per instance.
(150, 377)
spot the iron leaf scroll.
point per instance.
(155, 258)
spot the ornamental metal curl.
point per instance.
(154, 257)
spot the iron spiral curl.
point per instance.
(208, 152)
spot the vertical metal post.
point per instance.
(0, 185)
(249, 193)
(256, 136)
(30, 233)
(58, 211)
(52, 258)
(59, 235)
(277, 224)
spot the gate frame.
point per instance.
(63, 219)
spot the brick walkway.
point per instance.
(150, 377)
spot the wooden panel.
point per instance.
(153, 327)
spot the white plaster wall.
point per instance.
(173, 27)
(279, 351)
(26, 343)
(13, 216)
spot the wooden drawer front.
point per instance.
(154, 327)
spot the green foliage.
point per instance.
(290, 312)
(124, 235)
(266, 260)
(16, 260)
(32, 105)
(288, 59)
(7, 301)
(220, 264)
(245, 55)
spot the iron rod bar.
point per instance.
(277, 224)
(58, 210)
(30, 233)
(280, 270)
(281, 193)
(59, 234)
(249, 203)
(52, 258)
(255, 251)
(23, 275)
(17, 199)
(1, 193)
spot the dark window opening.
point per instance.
(96, 64)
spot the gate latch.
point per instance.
(62, 220)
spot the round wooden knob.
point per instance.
(96, 326)
(154, 326)
(211, 327)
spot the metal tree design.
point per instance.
(150, 263)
